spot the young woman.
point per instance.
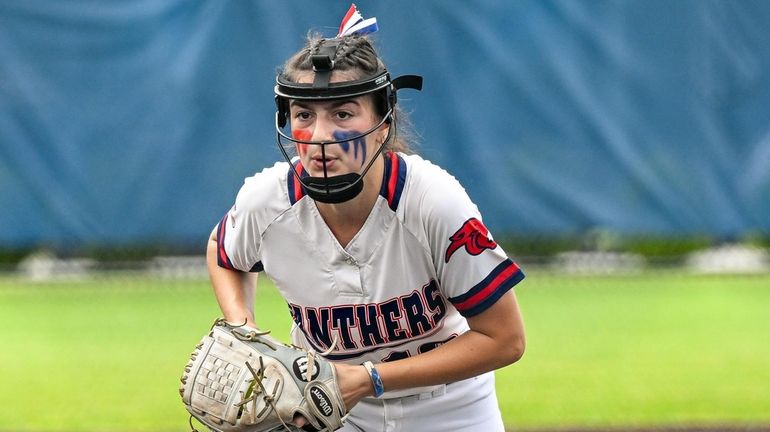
(382, 257)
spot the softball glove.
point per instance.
(239, 379)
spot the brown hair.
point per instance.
(356, 55)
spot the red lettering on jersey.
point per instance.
(473, 235)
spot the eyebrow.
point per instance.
(334, 104)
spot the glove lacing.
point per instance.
(252, 394)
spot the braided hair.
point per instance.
(356, 56)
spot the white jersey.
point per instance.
(421, 263)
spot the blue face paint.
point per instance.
(359, 144)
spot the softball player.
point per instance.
(381, 256)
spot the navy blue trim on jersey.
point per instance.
(393, 179)
(222, 259)
(294, 187)
(484, 294)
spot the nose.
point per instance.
(323, 131)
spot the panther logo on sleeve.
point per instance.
(473, 235)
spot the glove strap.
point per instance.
(379, 388)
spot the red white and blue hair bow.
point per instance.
(355, 24)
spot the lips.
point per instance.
(318, 162)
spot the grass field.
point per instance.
(661, 348)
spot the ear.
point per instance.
(382, 132)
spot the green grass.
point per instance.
(644, 350)
(650, 349)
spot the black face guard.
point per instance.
(341, 188)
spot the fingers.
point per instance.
(299, 420)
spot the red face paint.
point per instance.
(302, 135)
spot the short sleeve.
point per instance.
(473, 269)
(239, 233)
(260, 201)
(237, 244)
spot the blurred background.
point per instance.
(607, 144)
(132, 124)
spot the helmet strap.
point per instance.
(323, 63)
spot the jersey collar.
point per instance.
(393, 180)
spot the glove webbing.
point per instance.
(268, 398)
(259, 375)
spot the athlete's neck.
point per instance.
(346, 219)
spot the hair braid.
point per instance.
(342, 50)
(314, 47)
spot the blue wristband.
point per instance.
(379, 389)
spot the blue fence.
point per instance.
(136, 122)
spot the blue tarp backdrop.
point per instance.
(131, 122)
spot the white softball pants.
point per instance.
(463, 406)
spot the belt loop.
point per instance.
(435, 393)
